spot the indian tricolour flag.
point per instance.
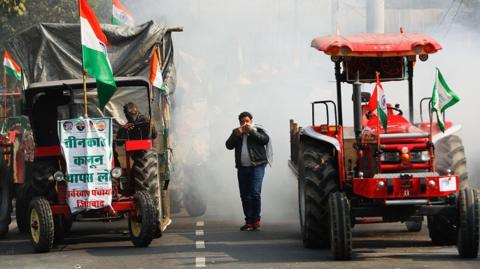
(156, 78)
(378, 103)
(442, 98)
(94, 53)
(11, 67)
(121, 15)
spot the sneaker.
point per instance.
(247, 227)
(165, 222)
(256, 225)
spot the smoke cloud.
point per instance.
(255, 56)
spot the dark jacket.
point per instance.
(256, 142)
(139, 131)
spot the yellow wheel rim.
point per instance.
(34, 225)
(136, 226)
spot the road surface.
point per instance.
(213, 243)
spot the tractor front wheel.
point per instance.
(340, 226)
(442, 230)
(468, 229)
(143, 225)
(414, 226)
(145, 176)
(41, 224)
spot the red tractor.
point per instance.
(13, 135)
(362, 174)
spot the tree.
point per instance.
(35, 11)
(16, 7)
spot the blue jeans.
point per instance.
(250, 183)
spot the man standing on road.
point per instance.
(250, 144)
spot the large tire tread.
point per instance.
(468, 231)
(46, 225)
(340, 226)
(148, 215)
(319, 178)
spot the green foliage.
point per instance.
(15, 7)
(31, 12)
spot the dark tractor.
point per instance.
(42, 209)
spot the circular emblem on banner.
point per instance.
(67, 126)
(80, 126)
(101, 126)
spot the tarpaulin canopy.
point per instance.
(376, 45)
(52, 51)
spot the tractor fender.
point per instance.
(308, 131)
(453, 129)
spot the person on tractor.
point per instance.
(251, 157)
(137, 127)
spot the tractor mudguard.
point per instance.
(453, 129)
(308, 131)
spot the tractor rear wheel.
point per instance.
(5, 198)
(317, 178)
(59, 229)
(450, 154)
(468, 229)
(145, 176)
(414, 226)
(340, 226)
(176, 200)
(21, 208)
(143, 226)
(41, 224)
(194, 202)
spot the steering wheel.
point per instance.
(396, 108)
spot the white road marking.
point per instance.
(200, 244)
(200, 262)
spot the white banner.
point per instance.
(87, 147)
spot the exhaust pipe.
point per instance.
(357, 109)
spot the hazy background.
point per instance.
(256, 56)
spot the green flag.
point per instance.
(442, 98)
(94, 53)
(4, 130)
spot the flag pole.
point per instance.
(377, 79)
(85, 100)
(430, 137)
(84, 73)
(5, 96)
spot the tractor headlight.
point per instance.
(116, 172)
(390, 157)
(59, 176)
(420, 156)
